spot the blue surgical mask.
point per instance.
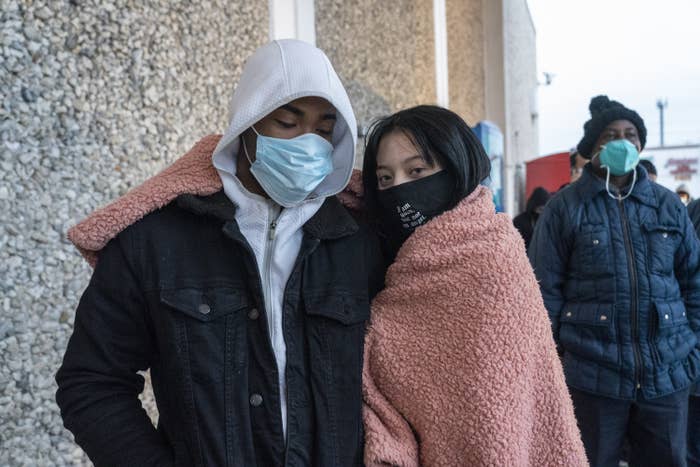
(619, 157)
(290, 169)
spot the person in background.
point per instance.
(525, 221)
(683, 193)
(460, 368)
(650, 168)
(694, 214)
(694, 401)
(576, 162)
(618, 262)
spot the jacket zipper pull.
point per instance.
(273, 226)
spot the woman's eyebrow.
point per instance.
(413, 158)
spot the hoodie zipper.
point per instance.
(266, 278)
(267, 260)
(631, 265)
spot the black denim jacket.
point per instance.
(179, 293)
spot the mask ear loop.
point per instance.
(245, 147)
(634, 180)
(607, 181)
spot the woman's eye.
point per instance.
(416, 171)
(285, 124)
(383, 179)
(324, 132)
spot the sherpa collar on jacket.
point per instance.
(193, 174)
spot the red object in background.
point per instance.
(549, 172)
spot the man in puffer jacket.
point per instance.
(618, 263)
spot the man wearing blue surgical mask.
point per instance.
(241, 282)
(619, 268)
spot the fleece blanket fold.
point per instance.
(460, 365)
(193, 173)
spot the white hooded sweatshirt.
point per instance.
(274, 75)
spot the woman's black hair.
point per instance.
(439, 135)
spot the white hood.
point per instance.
(279, 73)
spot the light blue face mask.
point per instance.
(290, 169)
(619, 157)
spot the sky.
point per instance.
(635, 51)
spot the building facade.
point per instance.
(676, 166)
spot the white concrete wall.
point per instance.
(510, 89)
(520, 75)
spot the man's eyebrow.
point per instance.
(300, 113)
(292, 109)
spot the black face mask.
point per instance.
(404, 207)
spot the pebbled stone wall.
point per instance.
(97, 96)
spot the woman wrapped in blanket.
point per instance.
(460, 366)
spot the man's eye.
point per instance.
(285, 124)
(324, 132)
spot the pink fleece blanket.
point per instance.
(193, 173)
(460, 365)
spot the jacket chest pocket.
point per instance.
(335, 323)
(209, 327)
(662, 242)
(592, 255)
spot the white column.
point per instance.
(293, 19)
(441, 71)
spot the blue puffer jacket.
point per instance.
(621, 283)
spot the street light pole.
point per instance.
(661, 104)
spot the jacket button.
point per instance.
(568, 314)
(256, 400)
(603, 318)
(596, 241)
(665, 234)
(204, 309)
(665, 316)
(254, 314)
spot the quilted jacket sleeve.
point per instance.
(687, 270)
(549, 254)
